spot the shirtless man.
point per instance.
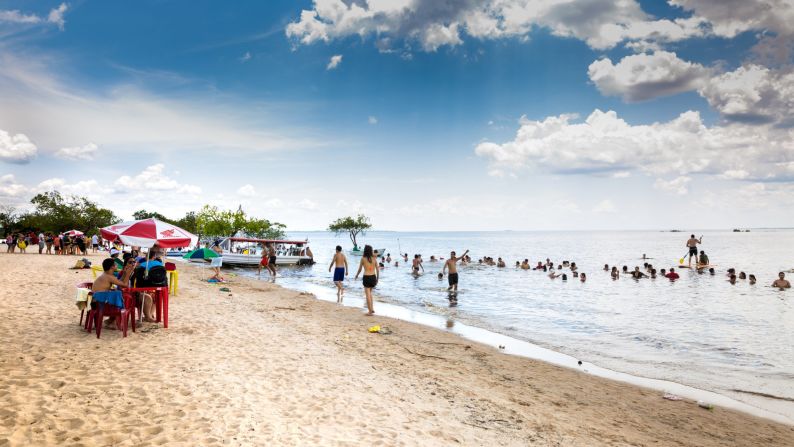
(341, 270)
(781, 283)
(106, 281)
(452, 265)
(416, 264)
(692, 244)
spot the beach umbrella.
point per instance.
(74, 233)
(201, 253)
(147, 233)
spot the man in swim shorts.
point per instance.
(452, 265)
(692, 244)
(416, 265)
(340, 260)
(781, 283)
(271, 259)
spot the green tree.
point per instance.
(143, 214)
(353, 226)
(215, 222)
(8, 218)
(55, 213)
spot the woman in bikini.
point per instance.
(370, 267)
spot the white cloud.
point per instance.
(274, 203)
(10, 188)
(334, 62)
(247, 191)
(640, 77)
(566, 206)
(87, 152)
(433, 24)
(735, 174)
(677, 185)
(153, 178)
(16, 148)
(55, 16)
(57, 114)
(727, 18)
(372, 120)
(605, 206)
(605, 144)
(245, 57)
(753, 94)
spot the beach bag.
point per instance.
(156, 277)
(79, 265)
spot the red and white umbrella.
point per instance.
(147, 232)
(74, 233)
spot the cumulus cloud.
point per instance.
(334, 62)
(87, 152)
(16, 148)
(153, 178)
(727, 18)
(81, 188)
(247, 190)
(641, 77)
(601, 24)
(677, 185)
(10, 188)
(606, 144)
(55, 16)
(753, 94)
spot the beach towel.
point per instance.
(83, 298)
(112, 297)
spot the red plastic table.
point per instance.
(161, 300)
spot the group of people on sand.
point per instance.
(121, 269)
(51, 243)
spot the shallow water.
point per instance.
(699, 331)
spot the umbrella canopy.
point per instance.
(201, 253)
(74, 233)
(147, 232)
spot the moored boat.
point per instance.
(243, 251)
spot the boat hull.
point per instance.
(254, 260)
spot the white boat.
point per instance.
(245, 251)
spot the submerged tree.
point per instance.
(353, 226)
(215, 222)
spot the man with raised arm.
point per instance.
(452, 265)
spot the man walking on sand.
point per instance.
(452, 265)
(341, 270)
(271, 260)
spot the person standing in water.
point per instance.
(271, 259)
(692, 244)
(452, 265)
(341, 270)
(416, 265)
(370, 280)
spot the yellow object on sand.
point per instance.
(374, 329)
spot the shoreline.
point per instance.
(526, 349)
(268, 365)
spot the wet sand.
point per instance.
(269, 366)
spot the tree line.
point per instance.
(55, 213)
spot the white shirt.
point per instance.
(94, 239)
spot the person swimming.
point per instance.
(752, 279)
(582, 277)
(732, 279)
(781, 283)
(742, 275)
(606, 267)
(615, 274)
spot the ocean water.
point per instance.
(699, 331)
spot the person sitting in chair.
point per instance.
(150, 273)
(106, 281)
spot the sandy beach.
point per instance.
(269, 366)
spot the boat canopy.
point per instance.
(271, 241)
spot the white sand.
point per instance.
(268, 366)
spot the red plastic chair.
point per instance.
(123, 316)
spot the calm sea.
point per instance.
(700, 330)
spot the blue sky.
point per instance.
(171, 105)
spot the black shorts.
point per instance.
(453, 279)
(370, 281)
(693, 251)
(272, 261)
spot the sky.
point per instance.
(423, 115)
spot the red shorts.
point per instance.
(263, 262)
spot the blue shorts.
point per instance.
(339, 274)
